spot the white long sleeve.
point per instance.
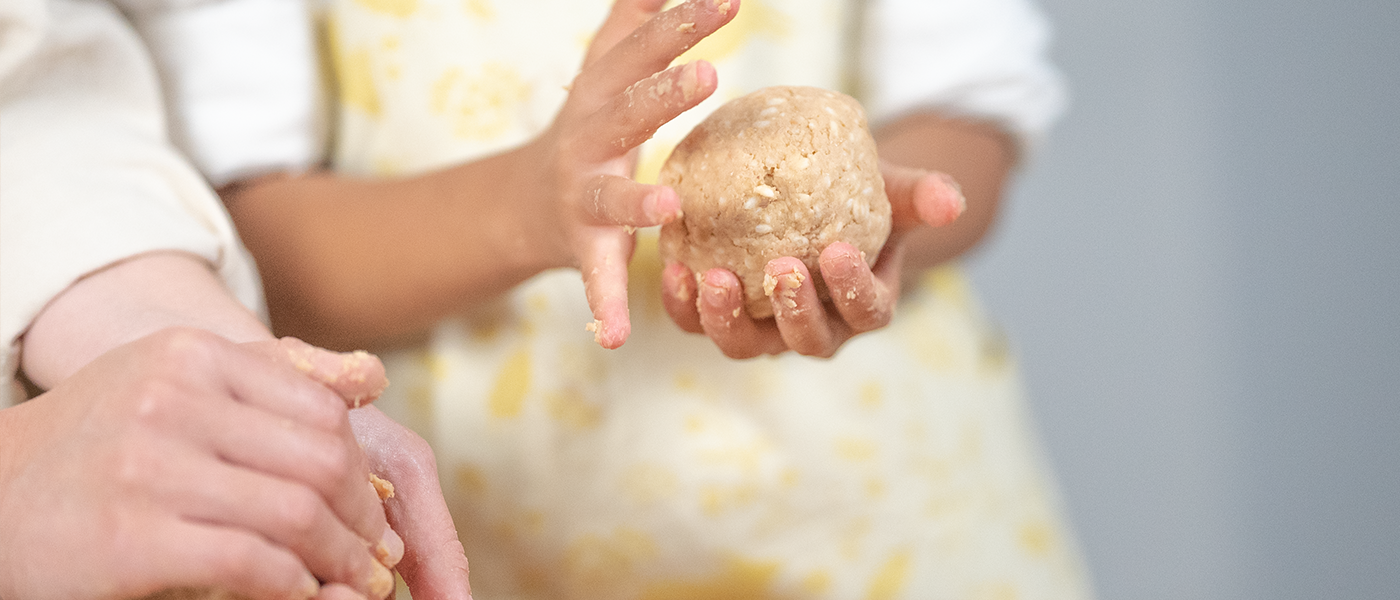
(984, 59)
(240, 80)
(87, 176)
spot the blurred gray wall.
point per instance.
(1201, 272)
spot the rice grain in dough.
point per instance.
(784, 171)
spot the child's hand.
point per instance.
(862, 299)
(184, 460)
(585, 194)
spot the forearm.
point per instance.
(351, 262)
(126, 301)
(978, 156)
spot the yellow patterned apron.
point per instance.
(903, 468)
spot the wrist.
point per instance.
(523, 229)
(126, 301)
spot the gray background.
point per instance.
(1201, 273)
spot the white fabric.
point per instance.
(984, 59)
(21, 25)
(243, 86)
(87, 177)
(241, 80)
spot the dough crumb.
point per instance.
(770, 283)
(382, 487)
(686, 28)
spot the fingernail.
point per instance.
(381, 581)
(389, 550)
(690, 80)
(959, 200)
(654, 207)
(309, 586)
(714, 294)
(651, 207)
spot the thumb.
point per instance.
(434, 564)
(357, 377)
(920, 196)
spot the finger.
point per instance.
(244, 372)
(292, 516)
(634, 115)
(434, 564)
(604, 259)
(337, 469)
(649, 49)
(802, 320)
(919, 196)
(357, 377)
(624, 17)
(723, 318)
(278, 400)
(614, 200)
(864, 302)
(333, 465)
(678, 296)
(336, 591)
(181, 554)
(258, 375)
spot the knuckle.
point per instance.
(328, 415)
(183, 349)
(336, 461)
(239, 559)
(325, 411)
(154, 398)
(299, 511)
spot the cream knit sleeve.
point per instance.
(87, 176)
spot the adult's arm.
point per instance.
(108, 235)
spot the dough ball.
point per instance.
(784, 171)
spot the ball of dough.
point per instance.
(784, 171)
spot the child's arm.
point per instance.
(350, 262)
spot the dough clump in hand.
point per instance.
(784, 171)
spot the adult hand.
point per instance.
(623, 94)
(184, 460)
(862, 298)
